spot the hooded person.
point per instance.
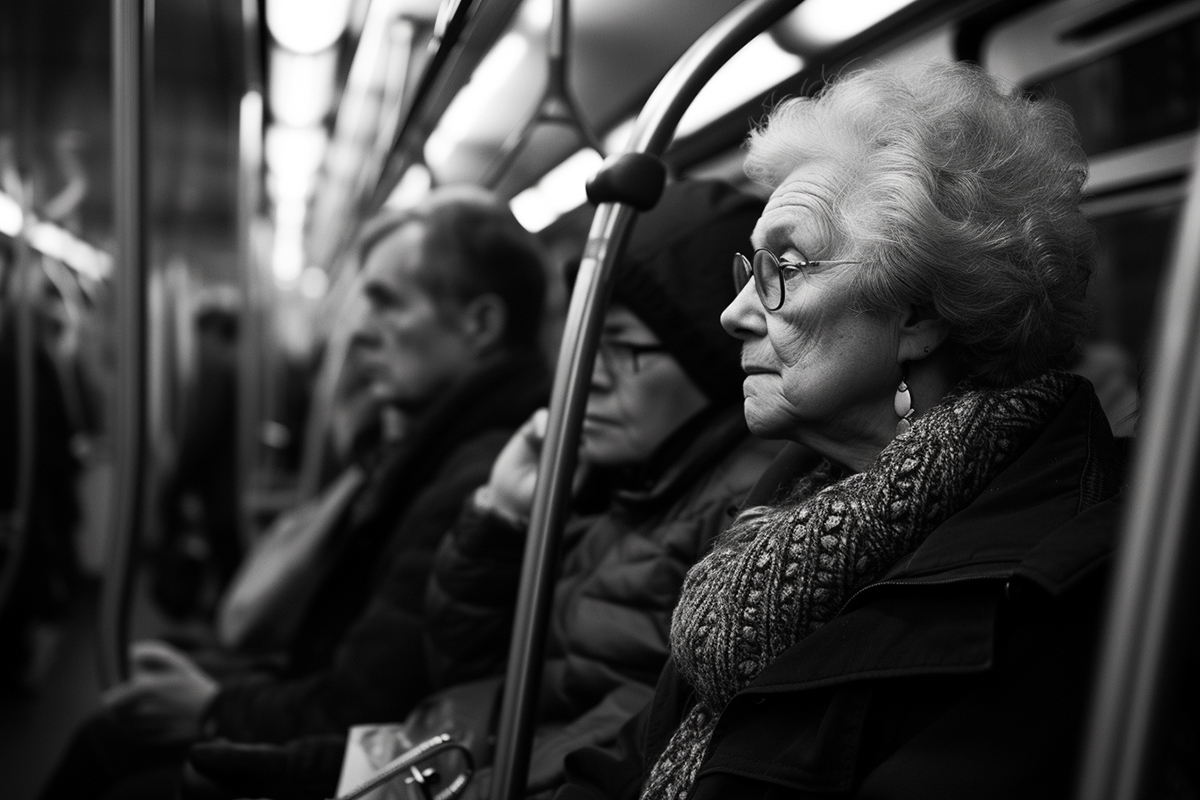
(667, 458)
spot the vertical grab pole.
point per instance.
(1148, 579)
(132, 33)
(250, 344)
(23, 283)
(652, 132)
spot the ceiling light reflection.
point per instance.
(560, 190)
(302, 86)
(474, 99)
(307, 26)
(415, 184)
(756, 68)
(817, 24)
(11, 218)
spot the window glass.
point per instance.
(1141, 93)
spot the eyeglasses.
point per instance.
(769, 275)
(625, 357)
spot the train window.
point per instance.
(1143, 92)
(1133, 253)
(1130, 71)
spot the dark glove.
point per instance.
(304, 769)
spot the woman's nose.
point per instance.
(601, 376)
(743, 318)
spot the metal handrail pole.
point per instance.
(132, 26)
(1147, 579)
(250, 366)
(26, 350)
(653, 131)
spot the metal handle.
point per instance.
(652, 133)
(407, 761)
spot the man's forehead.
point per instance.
(400, 252)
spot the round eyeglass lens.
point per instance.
(768, 279)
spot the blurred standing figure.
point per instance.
(454, 288)
(201, 514)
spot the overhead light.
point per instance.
(756, 68)
(302, 86)
(415, 184)
(307, 26)
(474, 99)
(818, 24)
(11, 217)
(295, 149)
(287, 254)
(560, 190)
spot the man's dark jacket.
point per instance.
(964, 672)
(358, 654)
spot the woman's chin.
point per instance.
(765, 425)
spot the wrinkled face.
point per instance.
(408, 346)
(817, 370)
(638, 397)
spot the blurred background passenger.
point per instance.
(666, 459)
(201, 544)
(916, 616)
(454, 289)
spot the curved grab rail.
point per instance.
(131, 31)
(652, 133)
(1147, 583)
(558, 105)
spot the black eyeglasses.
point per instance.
(769, 275)
(625, 357)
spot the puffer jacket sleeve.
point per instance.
(470, 597)
(378, 671)
(613, 606)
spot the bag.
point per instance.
(450, 733)
(270, 592)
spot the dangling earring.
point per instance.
(903, 406)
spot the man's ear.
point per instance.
(485, 321)
(922, 332)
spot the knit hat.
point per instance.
(676, 277)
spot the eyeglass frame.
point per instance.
(606, 349)
(746, 270)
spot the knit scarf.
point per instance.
(779, 573)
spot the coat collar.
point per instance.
(935, 611)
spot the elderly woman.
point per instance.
(913, 616)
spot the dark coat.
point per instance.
(620, 581)
(357, 657)
(964, 672)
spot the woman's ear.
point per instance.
(485, 321)
(922, 332)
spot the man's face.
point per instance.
(409, 346)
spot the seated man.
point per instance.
(455, 290)
(667, 453)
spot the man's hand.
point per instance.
(165, 700)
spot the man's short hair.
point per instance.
(490, 251)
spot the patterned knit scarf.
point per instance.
(780, 573)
